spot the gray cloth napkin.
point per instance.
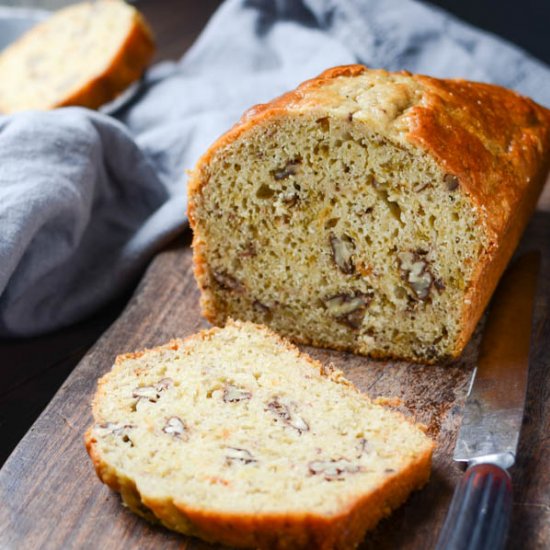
(86, 200)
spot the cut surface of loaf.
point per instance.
(236, 437)
(368, 211)
(85, 54)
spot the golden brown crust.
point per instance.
(496, 142)
(491, 267)
(266, 531)
(342, 531)
(504, 140)
(504, 137)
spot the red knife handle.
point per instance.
(480, 510)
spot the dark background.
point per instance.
(32, 370)
(525, 22)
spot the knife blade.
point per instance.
(487, 441)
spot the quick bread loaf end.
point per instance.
(368, 211)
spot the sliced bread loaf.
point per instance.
(85, 54)
(236, 437)
(368, 211)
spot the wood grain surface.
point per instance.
(51, 497)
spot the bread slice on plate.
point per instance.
(368, 211)
(85, 54)
(236, 437)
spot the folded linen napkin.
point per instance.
(86, 200)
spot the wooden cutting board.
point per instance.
(52, 499)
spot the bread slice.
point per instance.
(85, 54)
(368, 211)
(236, 437)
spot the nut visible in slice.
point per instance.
(118, 430)
(348, 309)
(176, 427)
(242, 456)
(226, 281)
(451, 182)
(233, 394)
(333, 469)
(147, 392)
(283, 412)
(150, 394)
(289, 169)
(416, 273)
(342, 251)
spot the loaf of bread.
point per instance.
(85, 54)
(368, 211)
(236, 437)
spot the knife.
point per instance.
(479, 514)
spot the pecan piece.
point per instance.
(241, 456)
(298, 423)
(233, 394)
(289, 169)
(348, 309)
(151, 393)
(164, 384)
(416, 273)
(451, 182)
(290, 199)
(261, 307)
(226, 281)
(333, 469)
(107, 427)
(248, 250)
(117, 430)
(114, 428)
(175, 427)
(342, 251)
(146, 392)
(282, 412)
(279, 410)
